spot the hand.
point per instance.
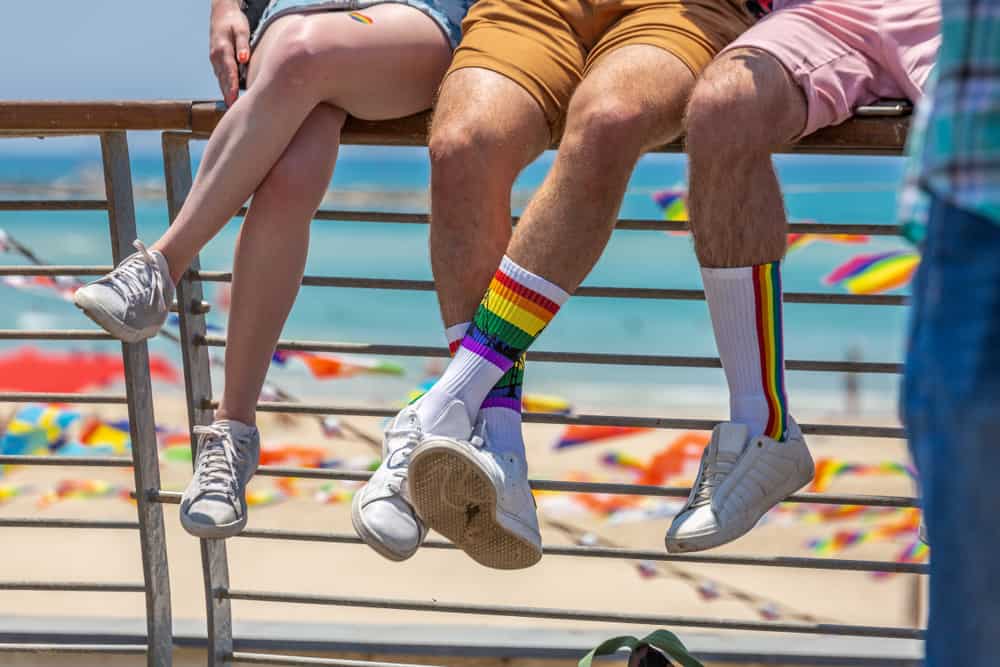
(229, 45)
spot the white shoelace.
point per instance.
(398, 461)
(129, 279)
(217, 455)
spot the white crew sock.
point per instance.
(754, 368)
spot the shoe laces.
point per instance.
(217, 458)
(713, 473)
(398, 460)
(130, 278)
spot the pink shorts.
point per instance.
(847, 53)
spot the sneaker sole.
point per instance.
(210, 532)
(454, 496)
(110, 323)
(717, 539)
(369, 538)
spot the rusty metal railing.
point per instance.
(182, 122)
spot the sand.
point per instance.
(446, 576)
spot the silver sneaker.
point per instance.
(381, 511)
(132, 302)
(740, 479)
(214, 504)
(478, 498)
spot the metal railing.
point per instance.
(182, 122)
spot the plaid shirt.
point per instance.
(956, 139)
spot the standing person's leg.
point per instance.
(951, 391)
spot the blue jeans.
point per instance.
(951, 408)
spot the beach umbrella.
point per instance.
(575, 434)
(30, 369)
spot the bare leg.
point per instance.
(387, 69)
(744, 107)
(630, 102)
(271, 257)
(486, 130)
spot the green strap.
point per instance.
(664, 640)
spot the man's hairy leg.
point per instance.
(744, 107)
(631, 101)
(486, 130)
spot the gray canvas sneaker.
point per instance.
(132, 302)
(214, 504)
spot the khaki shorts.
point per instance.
(548, 46)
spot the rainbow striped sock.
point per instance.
(514, 311)
(745, 305)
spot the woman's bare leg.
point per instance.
(271, 256)
(387, 69)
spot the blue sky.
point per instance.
(102, 49)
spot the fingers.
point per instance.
(223, 59)
(242, 45)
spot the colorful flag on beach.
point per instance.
(575, 434)
(875, 273)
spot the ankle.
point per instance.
(247, 418)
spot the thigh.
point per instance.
(388, 67)
(528, 42)
(824, 46)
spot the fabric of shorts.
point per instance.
(548, 46)
(448, 14)
(847, 53)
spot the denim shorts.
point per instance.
(448, 14)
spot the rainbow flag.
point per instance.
(875, 273)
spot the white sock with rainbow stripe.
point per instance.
(745, 305)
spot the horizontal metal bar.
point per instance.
(585, 291)
(174, 497)
(54, 334)
(51, 397)
(240, 657)
(611, 488)
(855, 431)
(53, 205)
(66, 461)
(574, 615)
(71, 586)
(835, 564)
(571, 357)
(94, 524)
(631, 224)
(54, 270)
(109, 649)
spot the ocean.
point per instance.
(819, 188)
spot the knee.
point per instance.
(594, 122)
(742, 104)
(296, 60)
(465, 146)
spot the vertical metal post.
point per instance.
(198, 389)
(142, 422)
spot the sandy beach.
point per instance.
(449, 576)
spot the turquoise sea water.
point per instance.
(822, 188)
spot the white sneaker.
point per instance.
(132, 302)
(381, 511)
(477, 498)
(214, 504)
(738, 482)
